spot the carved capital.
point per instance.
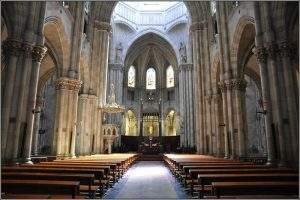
(12, 47)
(198, 26)
(68, 84)
(286, 50)
(272, 50)
(102, 26)
(38, 53)
(239, 84)
(261, 54)
(40, 102)
(27, 49)
(222, 86)
(216, 97)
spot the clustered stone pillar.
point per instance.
(196, 30)
(99, 67)
(285, 51)
(240, 89)
(66, 116)
(17, 113)
(186, 105)
(261, 55)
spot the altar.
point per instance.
(150, 146)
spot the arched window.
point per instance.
(151, 79)
(131, 77)
(170, 77)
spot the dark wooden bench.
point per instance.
(86, 180)
(257, 187)
(51, 187)
(207, 179)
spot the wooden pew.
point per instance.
(84, 179)
(257, 187)
(98, 173)
(207, 179)
(51, 187)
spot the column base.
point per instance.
(226, 157)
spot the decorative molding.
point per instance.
(239, 84)
(198, 26)
(68, 84)
(261, 54)
(27, 49)
(12, 47)
(222, 86)
(285, 49)
(272, 50)
(102, 26)
(38, 53)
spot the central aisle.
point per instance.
(147, 179)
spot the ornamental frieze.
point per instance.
(68, 84)
(272, 51)
(12, 47)
(102, 26)
(261, 54)
(198, 26)
(38, 53)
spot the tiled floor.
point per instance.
(147, 180)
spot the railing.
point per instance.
(125, 13)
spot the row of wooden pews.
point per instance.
(208, 176)
(83, 177)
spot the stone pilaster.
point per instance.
(66, 116)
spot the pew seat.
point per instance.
(256, 187)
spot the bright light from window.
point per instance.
(170, 77)
(131, 77)
(151, 79)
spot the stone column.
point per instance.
(285, 51)
(65, 121)
(12, 50)
(186, 104)
(216, 100)
(37, 56)
(224, 124)
(36, 127)
(196, 32)
(261, 55)
(240, 89)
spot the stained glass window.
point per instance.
(131, 77)
(151, 79)
(170, 77)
